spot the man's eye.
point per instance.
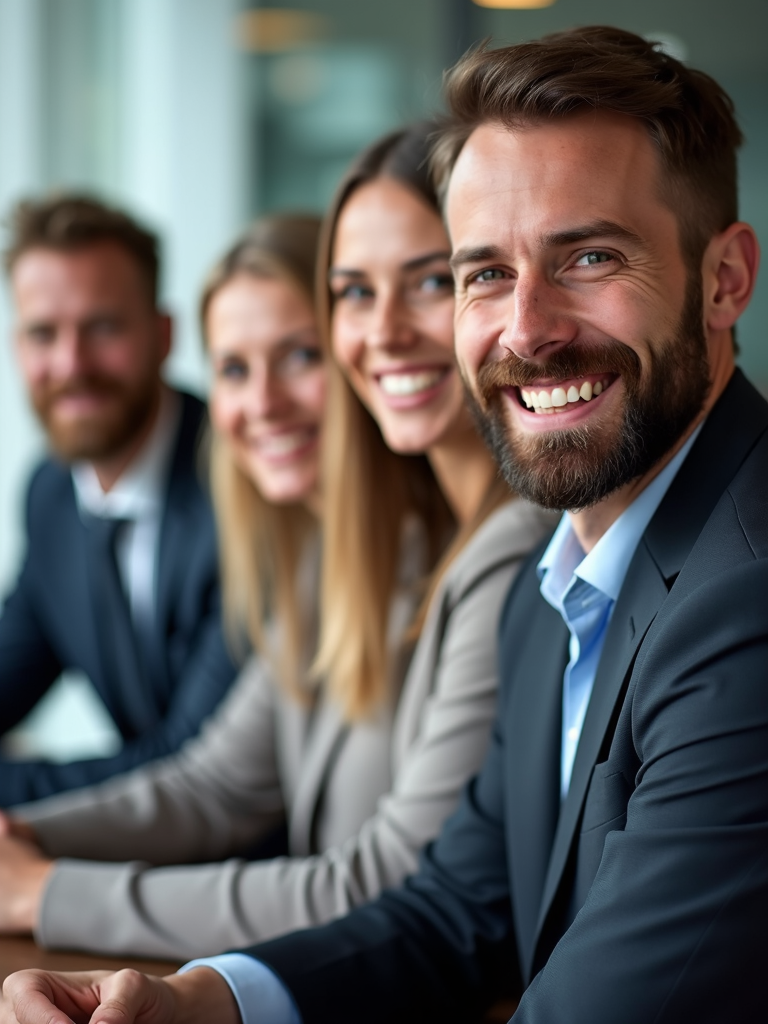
(484, 276)
(104, 326)
(591, 259)
(40, 335)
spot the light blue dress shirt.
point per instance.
(583, 588)
(260, 995)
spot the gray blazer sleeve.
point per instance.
(220, 793)
(439, 738)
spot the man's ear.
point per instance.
(730, 270)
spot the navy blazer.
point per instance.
(644, 897)
(48, 625)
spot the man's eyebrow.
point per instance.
(415, 264)
(476, 254)
(582, 233)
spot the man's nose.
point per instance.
(70, 357)
(537, 319)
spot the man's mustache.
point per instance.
(571, 361)
(81, 386)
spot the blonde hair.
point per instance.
(370, 491)
(261, 544)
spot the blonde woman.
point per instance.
(267, 400)
(368, 760)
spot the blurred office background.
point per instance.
(199, 114)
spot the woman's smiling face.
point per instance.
(392, 322)
(268, 389)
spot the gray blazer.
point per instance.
(360, 801)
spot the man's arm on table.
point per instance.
(440, 948)
(28, 666)
(206, 678)
(28, 662)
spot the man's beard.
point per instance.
(575, 468)
(104, 433)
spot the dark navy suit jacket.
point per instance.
(643, 899)
(48, 625)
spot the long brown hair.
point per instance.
(370, 492)
(261, 544)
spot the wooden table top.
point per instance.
(18, 952)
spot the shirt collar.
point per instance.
(139, 491)
(606, 564)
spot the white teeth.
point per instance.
(559, 397)
(283, 444)
(409, 383)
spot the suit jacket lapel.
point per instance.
(326, 734)
(535, 715)
(641, 596)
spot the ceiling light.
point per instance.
(514, 4)
(277, 30)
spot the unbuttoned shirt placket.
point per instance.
(586, 611)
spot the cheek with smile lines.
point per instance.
(558, 397)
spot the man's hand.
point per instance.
(23, 874)
(41, 997)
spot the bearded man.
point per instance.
(120, 578)
(611, 857)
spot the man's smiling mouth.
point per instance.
(558, 397)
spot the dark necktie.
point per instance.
(125, 672)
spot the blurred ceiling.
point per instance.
(725, 37)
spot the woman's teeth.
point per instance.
(399, 384)
(548, 400)
(279, 445)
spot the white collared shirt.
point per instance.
(138, 496)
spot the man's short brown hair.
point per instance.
(70, 222)
(688, 116)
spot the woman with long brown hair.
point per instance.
(367, 755)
